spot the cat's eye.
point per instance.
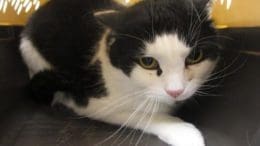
(148, 63)
(195, 57)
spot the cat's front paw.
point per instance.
(181, 134)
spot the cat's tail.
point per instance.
(45, 84)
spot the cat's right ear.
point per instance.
(108, 18)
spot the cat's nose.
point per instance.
(174, 93)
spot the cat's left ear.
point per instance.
(108, 18)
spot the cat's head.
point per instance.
(166, 46)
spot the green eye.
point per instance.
(148, 63)
(194, 57)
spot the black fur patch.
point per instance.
(65, 31)
(80, 86)
(153, 17)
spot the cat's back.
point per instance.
(64, 32)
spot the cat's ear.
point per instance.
(108, 18)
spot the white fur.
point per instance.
(140, 101)
(32, 58)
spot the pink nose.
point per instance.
(174, 93)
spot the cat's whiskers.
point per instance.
(201, 93)
(131, 36)
(137, 110)
(154, 110)
(152, 17)
(193, 8)
(122, 100)
(208, 87)
(196, 26)
(214, 36)
(202, 41)
(228, 74)
(196, 10)
(218, 75)
(134, 130)
(203, 87)
(111, 109)
(112, 106)
(144, 114)
(207, 43)
(226, 67)
(204, 83)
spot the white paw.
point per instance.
(181, 134)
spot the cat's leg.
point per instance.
(170, 129)
(175, 132)
(44, 84)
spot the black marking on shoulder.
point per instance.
(80, 85)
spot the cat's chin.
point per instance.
(165, 99)
(178, 99)
(181, 99)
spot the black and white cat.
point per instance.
(125, 66)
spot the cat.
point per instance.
(123, 65)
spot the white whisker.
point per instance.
(227, 67)
(149, 121)
(201, 93)
(131, 36)
(126, 122)
(230, 73)
(145, 113)
(125, 98)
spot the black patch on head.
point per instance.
(124, 52)
(150, 18)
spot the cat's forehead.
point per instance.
(167, 46)
(165, 16)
